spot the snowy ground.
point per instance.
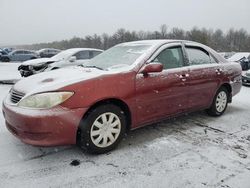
(190, 151)
(9, 72)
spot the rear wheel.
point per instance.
(102, 129)
(220, 102)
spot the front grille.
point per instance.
(16, 96)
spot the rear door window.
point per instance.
(198, 56)
(18, 53)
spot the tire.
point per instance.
(220, 102)
(6, 59)
(97, 136)
(33, 58)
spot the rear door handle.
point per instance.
(218, 71)
(184, 77)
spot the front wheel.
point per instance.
(102, 129)
(220, 102)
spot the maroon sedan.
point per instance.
(126, 87)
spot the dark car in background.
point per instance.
(48, 52)
(19, 55)
(246, 78)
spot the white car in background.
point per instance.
(243, 58)
(70, 57)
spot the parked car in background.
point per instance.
(2, 53)
(19, 55)
(70, 57)
(128, 86)
(243, 58)
(48, 52)
(246, 78)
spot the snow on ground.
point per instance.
(194, 150)
(9, 72)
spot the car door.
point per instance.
(22, 56)
(161, 94)
(203, 78)
(12, 56)
(26, 55)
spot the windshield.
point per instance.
(62, 55)
(119, 56)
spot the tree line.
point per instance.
(233, 40)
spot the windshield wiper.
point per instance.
(91, 66)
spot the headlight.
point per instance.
(45, 100)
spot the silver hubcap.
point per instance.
(105, 129)
(221, 101)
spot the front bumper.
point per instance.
(246, 80)
(50, 127)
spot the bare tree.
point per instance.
(232, 40)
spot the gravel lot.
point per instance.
(194, 150)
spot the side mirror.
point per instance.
(152, 67)
(72, 59)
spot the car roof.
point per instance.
(159, 42)
(49, 49)
(23, 50)
(151, 42)
(72, 50)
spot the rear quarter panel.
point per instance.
(232, 75)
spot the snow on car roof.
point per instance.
(79, 49)
(150, 42)
(239, 56)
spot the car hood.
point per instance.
(54, 80)
(37, 62)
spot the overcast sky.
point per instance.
(33, 21)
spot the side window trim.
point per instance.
(198, 48)
(160, 49)
(180, 55)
